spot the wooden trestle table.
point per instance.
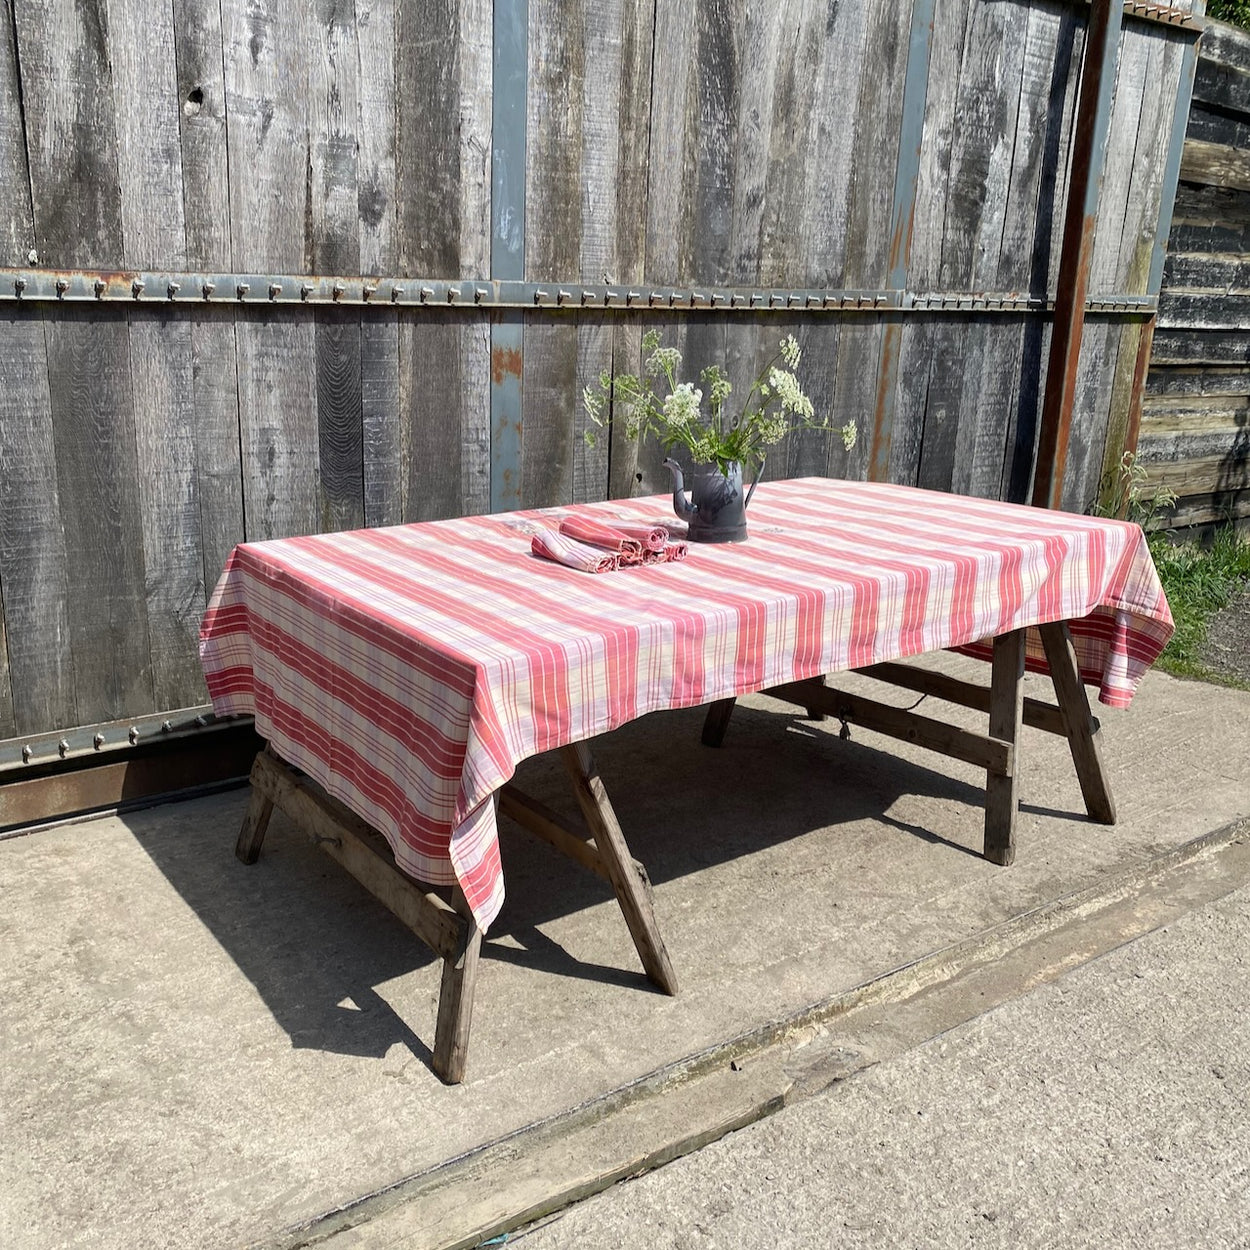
(399, 675)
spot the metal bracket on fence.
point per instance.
(18, 754)
(469, 295)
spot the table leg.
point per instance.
(716, 723)
(1006, 706)
(455, 999)
(629, 886)
(1082, 728)
(255, 819)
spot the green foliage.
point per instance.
(1235, 11)
(1131, 494)
(1199, 581)
(674, 414)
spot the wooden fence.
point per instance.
(885, 180)
(1195, 427)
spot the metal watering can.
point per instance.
(716, 511)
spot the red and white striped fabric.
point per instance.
(409, 670)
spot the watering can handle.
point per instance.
(759, 473)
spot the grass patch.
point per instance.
(1199, 581)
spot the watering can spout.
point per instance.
(681, 505)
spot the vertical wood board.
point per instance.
(33, 562)
(100, 510)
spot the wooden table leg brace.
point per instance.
(449, 929)
(1069, 717)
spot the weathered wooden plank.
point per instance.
(428, 154)
(17, 235)
(33, 561)
(381, 420)
(97, 466)
(841, 32)
(1028, 223)
(1165, 60)
(215, 424)
(632, 890)
(1212, 126)
(553, 243)
(1197, 271)
(1095, 378)
(475, 377)
(950, 21)
(766, 67)
(455, 998)
(71, 133)
(475, 58)
(953, 355)
(149, 148)
(672, 173)
(897, 722)
(1120, 406)
(1001, 785)
(993, 375)
(375, 136)
(1227, 442)
(816, 451)
(1024, 416)
(1172, 386)
(266, 50)
(981, 154)
(340, 433)
(878, 117)
(1069, 57)
(549, 383)
(381, 434)
(334, 124)
(430, 399)
(1118, 163)
(1215, 164)
(855, 388)
(1209, 474)
(915, 359)
(1210, 508)
(1223, 44)
(278, 429)
(1199, 310)
(1181, 347)
(201, 96)
(8, 722)
(1222, 85)
(168, 498)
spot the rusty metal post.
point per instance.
(1092, 125)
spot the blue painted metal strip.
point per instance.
(902, 219)
(507, 244)
(1172, 170)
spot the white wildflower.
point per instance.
(681, 408)
(790, 351)
(790, 393)
(849, 432)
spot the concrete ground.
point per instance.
(203, 1054)
(1107, 1109)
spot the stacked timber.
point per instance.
(1195, 430)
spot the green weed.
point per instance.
(1199, 581)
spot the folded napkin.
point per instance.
(609, 537)
(652, 537)
(573, 554)
(668, 553)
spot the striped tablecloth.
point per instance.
(408, 670)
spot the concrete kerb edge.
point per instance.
(896, 985)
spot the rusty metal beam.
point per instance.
(1092, 125)
(151, 775)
